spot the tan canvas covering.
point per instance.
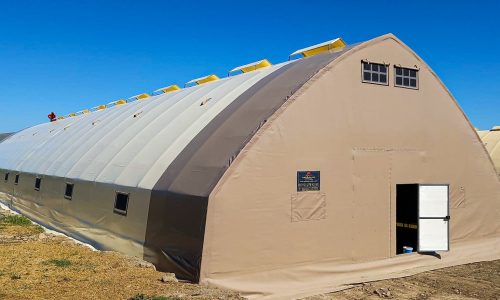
(491, 140)
(365, 139)
(211, 174)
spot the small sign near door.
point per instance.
(308, 181)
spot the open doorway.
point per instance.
(406, 216)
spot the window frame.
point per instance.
(387, 67)
(70, 197)
(6, 177)
(417, 87)
(16, 179)
(38, 183)
(119, 211)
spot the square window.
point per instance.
(38, 183)
(374, 73)
(406, 77)
(6, 177)
(16, 180)
(68, 194)
(121, 203)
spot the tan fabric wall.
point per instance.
(365, 139)
(491, 140)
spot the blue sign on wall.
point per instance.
(308, 181)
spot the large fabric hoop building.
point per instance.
(283, 181)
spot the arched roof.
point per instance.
(134, 143)
(130, 144)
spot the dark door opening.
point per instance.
(406, 216)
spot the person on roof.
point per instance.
(52, 117)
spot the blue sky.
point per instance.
(65, 56)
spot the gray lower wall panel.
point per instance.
(89, 216)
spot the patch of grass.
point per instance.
(17, 220)
(61, 263)
(19, 225)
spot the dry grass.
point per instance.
(56, 268)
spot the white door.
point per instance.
(434, 217)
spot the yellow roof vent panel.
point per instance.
(203, 80)
(332, 45)
(78, 113)
(252, 66)
(140, 97)
(98, 107)
(115, 103)
(167, 89)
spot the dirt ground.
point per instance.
(473, 281)
(39, 265)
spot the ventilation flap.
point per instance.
(82, 112)
(99, 107)
(139, 97)
(115, 103)
(167, 89)
(333, 45)
(252, 66)
(203, 80)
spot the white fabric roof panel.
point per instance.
(125, 150)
